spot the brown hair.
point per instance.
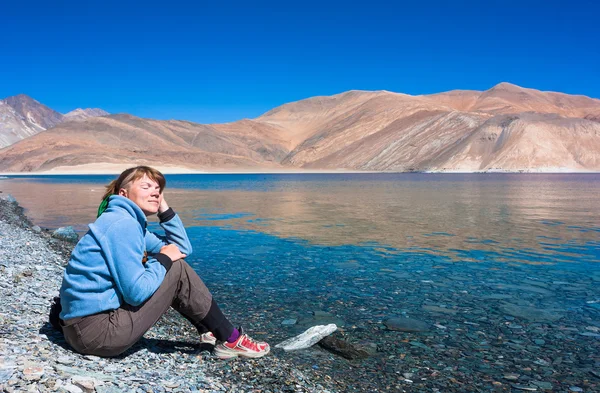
(131, 175)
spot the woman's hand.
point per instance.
(172, 251)
(163, 207)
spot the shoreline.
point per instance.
(318, 172)
(115, 169)
(35, 358)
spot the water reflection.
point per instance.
(534, 219)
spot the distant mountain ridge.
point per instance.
(505, 128)
(21, 117)
(82, 114)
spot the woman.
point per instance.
(121, 278)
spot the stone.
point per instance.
(343, 348)
(419, 345)
(511, 377)
(84, 383)
(439, 310)
(525, 388)
(72, 388)
(66, 233)
(33, 373)
(543, 385)
(289, 322)
(406, 325)
(529, 313)
(5, 374)
(8, 198)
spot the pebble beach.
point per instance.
(35, 358)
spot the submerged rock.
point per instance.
(530, 313)
(439, 310)
(406, 325)
(343, 348)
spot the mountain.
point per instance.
(506, 128)
(82, 114)
(13, 126)
(523, 142)
(394, 132)
(506, 98)
(22, 117)
(132, 140)
(34, 112)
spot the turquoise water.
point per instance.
(479, 256)
(480, 217)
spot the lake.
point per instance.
(504, 268)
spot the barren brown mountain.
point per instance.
(508, 98)
(504, 128)
(395, 132)
(82, 114)
(33, 111)
(22, 117)
(131, 140)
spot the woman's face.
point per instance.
(145, 193)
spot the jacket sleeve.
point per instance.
(123, 246)
(175, 234)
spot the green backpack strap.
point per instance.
(103, 206)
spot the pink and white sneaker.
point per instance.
(244, 346)
(208, 338)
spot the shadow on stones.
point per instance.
(151, 344)
(162, 346)
(54, 336)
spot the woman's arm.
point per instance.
(123, 248)
(174, 231)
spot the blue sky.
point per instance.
(213, 63)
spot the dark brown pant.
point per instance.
(111, 333)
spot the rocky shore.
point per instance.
(35, 358)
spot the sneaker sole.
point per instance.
(229, 355)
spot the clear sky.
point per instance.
(221, 61)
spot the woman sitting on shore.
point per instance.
(121, 278)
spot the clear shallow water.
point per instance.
(483, 256)
(479, 217)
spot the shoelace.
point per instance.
(253, 343)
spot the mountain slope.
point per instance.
(506, 98)
(82, 114)
(34, 112)
(22, 117)
(128, 139)
(13, 126)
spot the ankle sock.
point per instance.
(234, 336)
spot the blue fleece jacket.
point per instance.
(106, 269)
